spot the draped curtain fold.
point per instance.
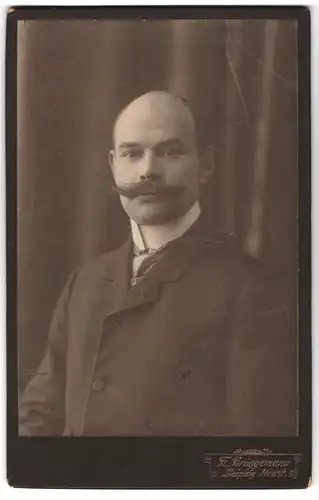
(74, 76)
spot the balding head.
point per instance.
(156, 109)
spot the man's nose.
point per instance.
(148, 166)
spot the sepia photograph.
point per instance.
(157, 167)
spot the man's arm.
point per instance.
(262, 370)
(42, 406)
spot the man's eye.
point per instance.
(132, 154)
(172, 153)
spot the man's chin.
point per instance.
(153, 216)
(152, 219)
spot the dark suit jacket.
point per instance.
(203, 345)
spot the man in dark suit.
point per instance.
(176, 332)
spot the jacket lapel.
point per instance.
(118, 277)
(175, 261)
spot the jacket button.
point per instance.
(98, 385)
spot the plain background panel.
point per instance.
(73, 79)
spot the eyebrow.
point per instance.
(129, 145)
(174, 141)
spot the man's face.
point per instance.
(155, 162)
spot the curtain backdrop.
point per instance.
(240, 78)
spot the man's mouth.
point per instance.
(150, 196)
(149, 191)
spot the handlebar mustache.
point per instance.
(136, 189)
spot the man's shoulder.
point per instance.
(228, 253)
(251, 275)
(243, 272)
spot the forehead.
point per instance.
(153, 120)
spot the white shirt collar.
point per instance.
(154, 237)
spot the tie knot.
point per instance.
(151, 257)
(147, 251)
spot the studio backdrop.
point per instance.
(74, 76)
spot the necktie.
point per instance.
(152, 257)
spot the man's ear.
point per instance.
(207, 164)
(112, 159)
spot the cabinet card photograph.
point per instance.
(158, 246)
